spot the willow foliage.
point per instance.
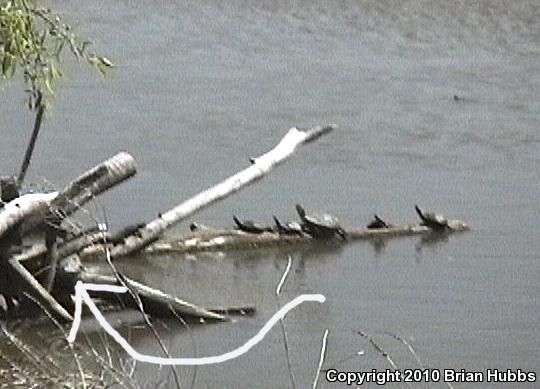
(32, 41)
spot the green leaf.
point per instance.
(32, 39)
(105, 61)
(59, 50)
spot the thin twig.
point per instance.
(321, 359)
(65, 335)
(193, 343)
(133, 294)
(413, 352)
(139, 304)
(348, 358)
(383, 353)
(282, 325)
(24, 349)
(140, 307)
(105, 342)
(408, 345)
(287, 353)
(114, 373)
(378, 348)
(41, 13)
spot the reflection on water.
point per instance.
(378, 246)
(202, 86)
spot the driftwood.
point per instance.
(109, 174)
(205, 238)
(73, 246)
(209, 239)
(33, 209)
(154, 300)
(260, 166)
(242, 310)
(151, 231)
(99, 179)
(30, 285)
(30, 208)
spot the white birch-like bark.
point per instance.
(260, 167)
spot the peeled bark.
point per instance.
(97, 180)
(260, 167)
(33, 208)
(30, 208)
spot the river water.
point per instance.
(201, 86)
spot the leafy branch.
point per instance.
(33, 39)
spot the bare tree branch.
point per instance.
(261, 166)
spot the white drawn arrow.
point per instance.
(81, 295)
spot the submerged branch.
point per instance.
(154, 300)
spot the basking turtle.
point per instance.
(193, 227)
(250, 226)
(289, 228)
(377, 223)
(432, 220)
(322, 226)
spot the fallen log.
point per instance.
(232, 239)
(151, 231)
(205, 238)
(29, 208)
(32, 209)
(114, 171)
(219, 239)
(242, 311)
(30, 285)
(154, 300)
(73, 246)
(75, 194)
(97, 180)
(259, 167)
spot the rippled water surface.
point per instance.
(201, 86)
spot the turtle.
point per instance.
(194, 226)
(377, 223)
(198, 227)
(289, 228)
(250, 226)
(322, 226)
(432, 220)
